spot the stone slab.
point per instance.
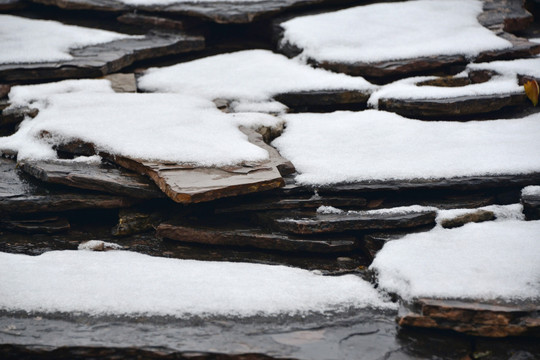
(102, 59)
(477, 318)
(531, 206)
(19, 194)
(49, 225)
(337, 223)
(99, 177)
(323, 99)
(253, 238)
(222, 12)
(190, 184)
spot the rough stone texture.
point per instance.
(324, 99)
(469, 183)
(99, 177)
(19, 194)
(489, 319)
(531, 206)
(49, 225)
(14, 115)
(452, 107)
(150, 21)
(336, 223)
(6, 5)
(190, 184)
(497, 16)
(254, 238)
(99, 60)
(123, 83)
(222, 12)
(372, 243)
(132, 221)
(477, 216)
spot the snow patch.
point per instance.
(376, 145)
(481, 261)
(326, 210)
(400, 30)
(532, 190)
(31, 41)
(128, 283)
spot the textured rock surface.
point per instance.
(19, 194)
(531, 206)
(49, 225)
(254, 238)
(477, 216)
(99, 60)
(490, 319)
(100, 177)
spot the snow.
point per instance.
(530, 67)
(482, 261)
(250, 76)
(376, 145)
(128, 283)
(392, 31)
(327, 210)
(98, 245)
(532, 190)
(31, 41)
(166, 127)
(407, 89)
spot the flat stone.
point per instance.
(253, 238)
(452, 107)
(468, 183)
(477, 216)
(102, 59)
(507, 15)
(6, 5)
(374, 242)
(14, 115)
(154, 21)
(99, 177)
(336, 223)
(531, 206)
(19, 194)
(222, 12)
(122, 83)
(324, 99)
(488, 319)
(49, 225)
(190, 184)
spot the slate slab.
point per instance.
(337, 223)
(48, 225)
(531, 206)
(21, 195)
(102, 59)
(253, 238)
(477, 318)
(221, 12)
(324, 99)
(100, 177)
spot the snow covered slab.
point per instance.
(20, 196)
(191, 150)
(476, 261)
(374, 147)
(131, 284)
(219, 11)
(42, 49)
(397, 39)
(432, 97)
(257, 76)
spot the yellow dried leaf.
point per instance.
(532, 90)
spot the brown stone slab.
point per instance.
(190, 184)
(336, 223)
(507, 15)
(99, 177)
(452, 107)
(154, 21)
(102, 59)
(222, 12)
(253, 238)
(14, 115)
(122, 83)
(476, 217)
(486, 318)
(19, 194)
